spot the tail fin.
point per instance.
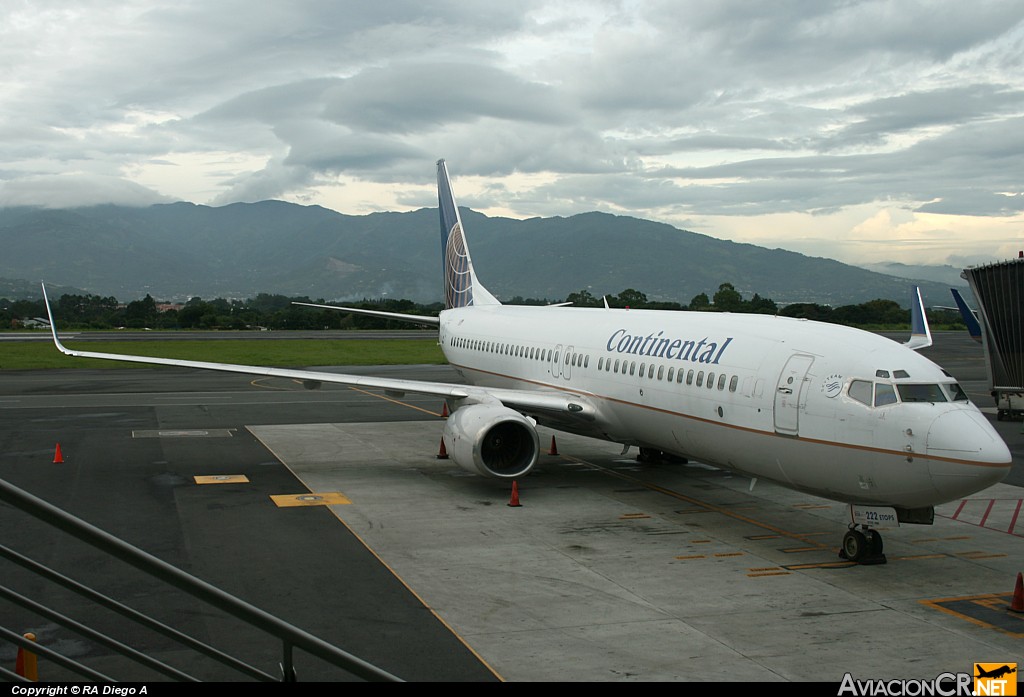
(460, 285)
(920, 334)
(973, 326)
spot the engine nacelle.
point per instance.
(492, 440)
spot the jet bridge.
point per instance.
(999, 291)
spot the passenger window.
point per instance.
(632, 367)
(721, 381)
(671, 372)
(700, 378)
(556, 356)
(650, 371)
(884, 394)
(586, 361)
(661, 372)
(689, 377)
(641, 370)
(616, 366)
(734, 382)
(600, 363)
(711, 380)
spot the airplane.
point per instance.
(995, 673)
(828, 410)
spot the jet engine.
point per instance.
(492, 440)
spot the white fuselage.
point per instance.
(770, 397)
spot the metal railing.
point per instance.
(289, 636)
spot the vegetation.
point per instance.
(84, 312)
(266, 311)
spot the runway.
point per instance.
(607, 571)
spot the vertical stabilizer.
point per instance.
(973, 326)
(460, 285)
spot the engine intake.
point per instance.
(492, 440)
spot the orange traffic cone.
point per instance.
(57, 456)
(444, 411)
(514, 501)
(442, 454)
(1017, 605)
(554, 448)
(26, 664)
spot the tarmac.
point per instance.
(334, 510)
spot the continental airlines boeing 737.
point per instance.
(828, 410)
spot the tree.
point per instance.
(631, 298)
(700, 302)
(728, 299)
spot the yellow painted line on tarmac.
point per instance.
(761, 574)
(395, 401)
(980, 555)
(319, 499)
(990, 610)
(821, 565)
(221, 479)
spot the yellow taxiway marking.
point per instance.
(321, 499)
(221, 479)
(395, 401)
(990, 610)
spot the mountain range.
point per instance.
(181, 250)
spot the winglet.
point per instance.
(53, 325)
(920, 334)
(973, 326)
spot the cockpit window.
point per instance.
(881, 373)
(956, 393)
(861, 391)
(884, 394)
(900, 374)
(921, 393)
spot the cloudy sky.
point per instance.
(861, 131)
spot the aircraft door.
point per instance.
(789, 393)
(556, 358)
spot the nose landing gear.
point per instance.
(862, 546)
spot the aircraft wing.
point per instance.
(397, 316)
(568, 405)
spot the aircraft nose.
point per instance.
(968, 455)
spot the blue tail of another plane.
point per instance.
(461, 288)
(973, 326)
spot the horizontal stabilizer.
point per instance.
(397, 316)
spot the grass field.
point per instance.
(42, 355)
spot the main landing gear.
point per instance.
(863, 546)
